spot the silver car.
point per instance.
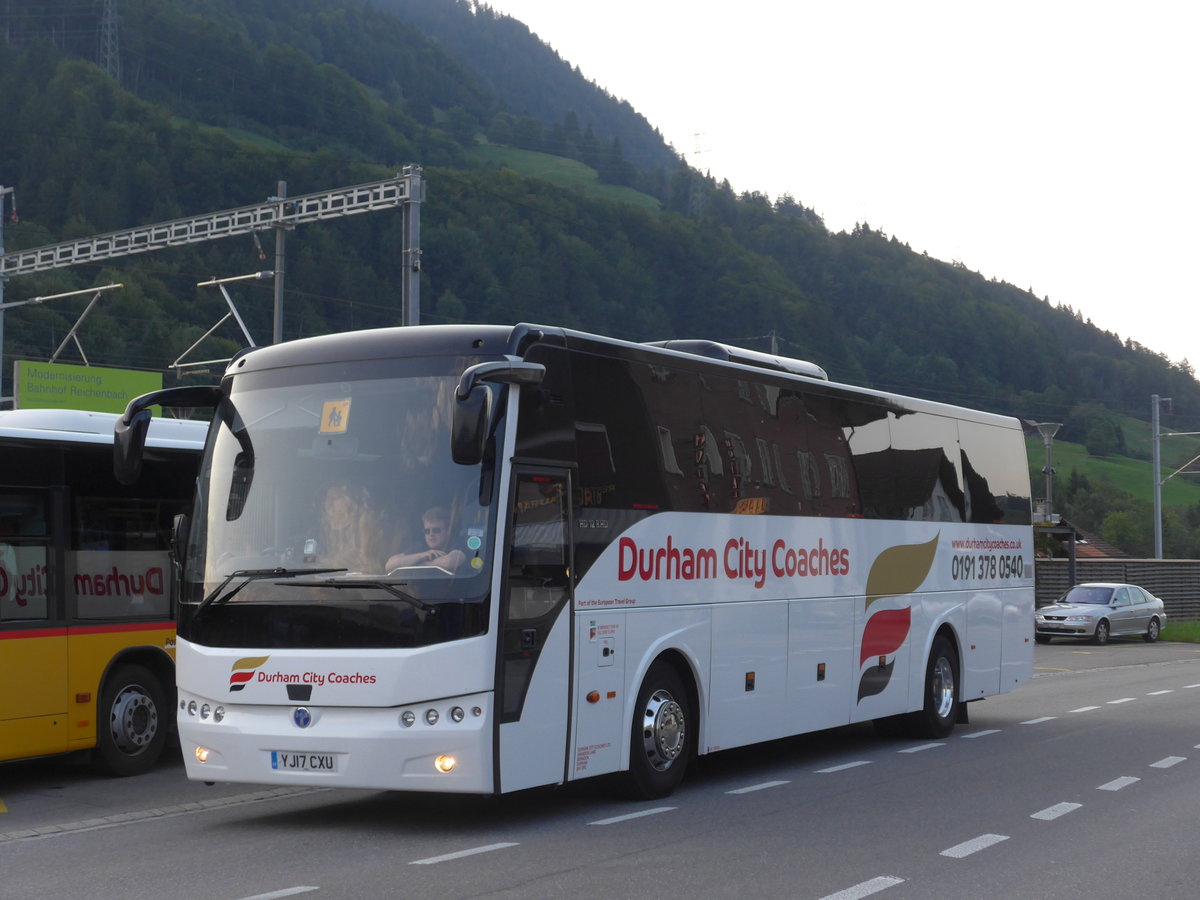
(1100, 610)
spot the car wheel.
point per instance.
(1152, 631)
(1042, 638)
(1102, 630)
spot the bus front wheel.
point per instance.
(662, 736)
(130, 732)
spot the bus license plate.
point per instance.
(286, 760)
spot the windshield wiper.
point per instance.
(250, 575)
(342, 584)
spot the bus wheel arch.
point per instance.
(133, 715)
(664, 728)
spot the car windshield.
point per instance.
(329, 501)
(1087, 594)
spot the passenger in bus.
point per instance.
(436, 550)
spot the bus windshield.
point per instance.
(330, 513)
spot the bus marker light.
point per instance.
(612, 695)
(593, 697)
(445, 763)
(83, 697)
(476, 711)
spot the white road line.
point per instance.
(286, 892)
(428, 861)
(1122, 700)
(1160, 693)
(975, 734)
(966, 848)
(1117, 783)
(758, 787)
(1039, 720)
(1050, 813)
(1187, 686)
(637, 815)
(844, 766)
(1083, 709)
(866, 888)
(1167, 762)
(920, 747)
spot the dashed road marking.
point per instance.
(286, 892)
(975, 734)
(637, 815)
(1159, 693)
(1040, 720)
(758, 787)
(866, 888)
(920, 747)
(1122, 700)
(966, 848)
(1083, 709)
(844, 766)
(1167, 762)
(1050, 813)
(474, 851)
(1117, 783)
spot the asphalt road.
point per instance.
(1082, 783)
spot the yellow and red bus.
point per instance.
(87, 631)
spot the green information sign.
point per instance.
(60, 386)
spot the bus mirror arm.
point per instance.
(474, 408)
(129, 432)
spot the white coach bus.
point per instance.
(484, 558)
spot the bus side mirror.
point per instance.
(179, 535)
(474, 409)
(469, 430)
(129, 432)
(129, 442)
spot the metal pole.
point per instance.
(410, 253)
(1156, 468)
(277, 331)
(4, 191)
(1048, 430)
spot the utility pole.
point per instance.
(280, 231)
(1048, 430)
(1156, 436)
(4, 192)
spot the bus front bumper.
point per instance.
(443, 745)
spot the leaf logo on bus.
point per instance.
(896, 571)
(243, 671)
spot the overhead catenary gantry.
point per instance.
(280, 213)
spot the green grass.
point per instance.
(1188, 632)
(1132, 475)
(566, 173)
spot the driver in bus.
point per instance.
(436, 549)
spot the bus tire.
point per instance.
(662, 736)
(130, 730)
(942, 690)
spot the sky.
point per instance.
(1052, 144)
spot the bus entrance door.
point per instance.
(534, 658)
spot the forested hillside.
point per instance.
(217, 100)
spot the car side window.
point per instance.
(1121, 597)
(1136, 595)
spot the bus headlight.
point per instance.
(457, 714)
(407, 718)
(219, 714)
(431, 717)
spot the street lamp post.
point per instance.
(1048, 430)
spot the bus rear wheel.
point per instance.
(129, 730)
(937, 718)
(662, 735)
